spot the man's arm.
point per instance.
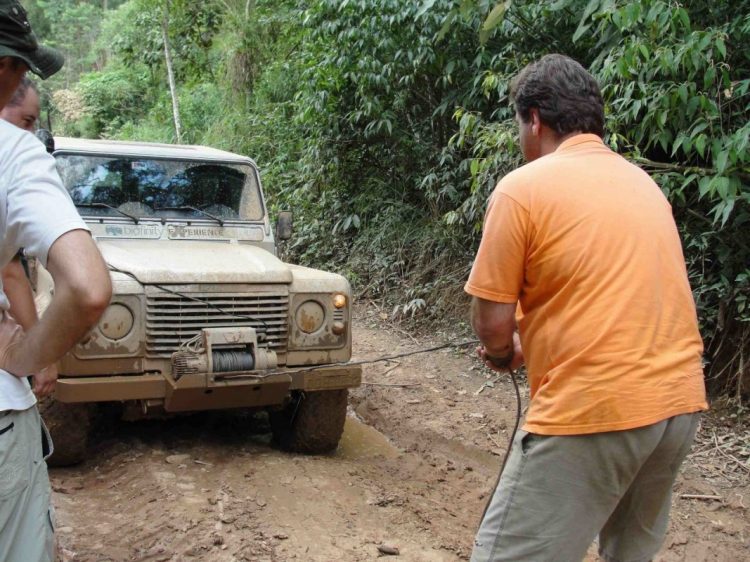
(82, 292)
(495, 325)
(18, 290)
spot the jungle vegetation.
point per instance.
(385, 124)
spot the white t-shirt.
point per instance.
(35, 210)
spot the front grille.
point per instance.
(173, 319)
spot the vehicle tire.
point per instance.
(68, 425)
(312, 423)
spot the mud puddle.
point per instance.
(362, 441)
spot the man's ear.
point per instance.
(535, 121)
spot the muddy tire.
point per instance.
(69, 426)
(312, 423)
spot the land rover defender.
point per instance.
(204, 315)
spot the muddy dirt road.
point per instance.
(412, 473)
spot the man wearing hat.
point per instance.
(36, 213)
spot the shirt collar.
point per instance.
(579, 139)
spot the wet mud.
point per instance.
(419, 456)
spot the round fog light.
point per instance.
(338, 328)
(116, 322)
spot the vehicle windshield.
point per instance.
(112, 186)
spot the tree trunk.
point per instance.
(170, 75)
(249, 6)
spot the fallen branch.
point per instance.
(406, 333)
(396, 366)
(700, 497)
(392, 384)
(730, 457)
(712, 449)
(486, 384)
(498, 445)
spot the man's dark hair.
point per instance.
(567, 96)
(20, 93)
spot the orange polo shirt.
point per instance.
(586, 242)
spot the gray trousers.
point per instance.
(26, 526)
(558, 492)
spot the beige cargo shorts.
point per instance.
(558, 492)
(26, 518)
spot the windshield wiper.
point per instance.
(105, 206)
(189, 208)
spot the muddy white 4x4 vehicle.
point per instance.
(204, 315)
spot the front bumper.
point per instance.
(207, 391)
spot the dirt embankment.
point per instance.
(419, 456)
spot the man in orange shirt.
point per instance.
(586, 244)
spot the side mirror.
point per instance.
(284, 225)
(46, 139)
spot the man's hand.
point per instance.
(515, 361)
(495, 324)
(11, 335)
(17, 289)
(44, 381)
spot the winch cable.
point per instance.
(386, 358)
(510, 442)
(383, 359)
(264, 330)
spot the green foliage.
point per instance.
(73, 27)
(135, 36)
(112, 98)
(385, 124)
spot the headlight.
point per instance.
(116, 322)
(315, 322)
(310, 316)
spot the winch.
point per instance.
(222, 350)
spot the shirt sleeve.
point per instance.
(39, 209)
(498, 271)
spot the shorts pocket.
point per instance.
(14, 470)
(51, 517)
(48, 447)
(527, 442)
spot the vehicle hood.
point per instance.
(171, 261)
